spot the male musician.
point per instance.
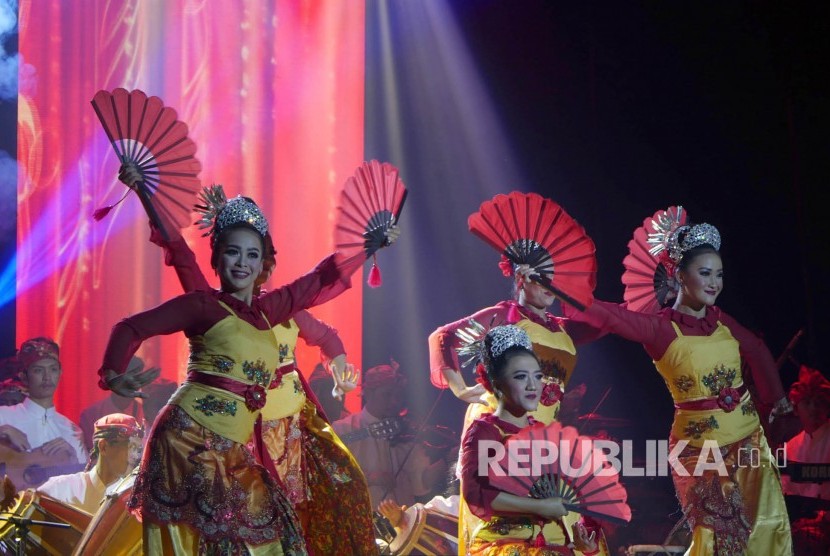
(33, 431)
(116, 451)
(393, 467)
(811, 397)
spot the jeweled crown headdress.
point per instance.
(219, 212)
(687, 237)
(670, 239)
(505, 337)
(473, 345)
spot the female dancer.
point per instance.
(507, 523)
(199, 488)
(322, 479)
(735, 505)
(554, 340)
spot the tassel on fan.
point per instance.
(370, 204)
(573, 470)
(649, 276)
(8, 496)
(532, 230)
(149, 135)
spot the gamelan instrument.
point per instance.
(37, 524)
(113, 531)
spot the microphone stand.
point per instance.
(22, 525)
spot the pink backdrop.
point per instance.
(273, 96)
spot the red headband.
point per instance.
(37, 349)
(382, 375)
(811, 384)
(115, 425)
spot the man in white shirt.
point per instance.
(811, 397)
(116, 451)
(36, 441)
(394, 466)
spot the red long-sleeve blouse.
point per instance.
(194, 313)
(655, 333)
(313, 331)
(443, 341)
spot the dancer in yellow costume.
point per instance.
(504, 524)
(199, 487)
(321, 478)
(554, 343)
(735, 506)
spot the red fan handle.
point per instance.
(545, 283)
(152, 214)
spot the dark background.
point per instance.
(614, 110)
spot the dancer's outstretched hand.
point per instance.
(345, 380)
(583, 541)
(130, 383)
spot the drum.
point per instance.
(113, 531)
(25, 529)
(428, 532)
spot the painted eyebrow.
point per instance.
(527, 371)
(257, 249)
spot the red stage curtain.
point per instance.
(273, 96)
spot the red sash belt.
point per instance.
(253, 394)
(281, 372)
(221, 382)
(726, 400)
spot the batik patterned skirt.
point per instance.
(324, 483)
(198, 492)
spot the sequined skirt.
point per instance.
(191, 476)
(324, 482)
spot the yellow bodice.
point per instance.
(555, 350)
(231, 349)
(698, 370)
(288, 397)
(557, 357)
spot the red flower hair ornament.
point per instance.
(506, 266)
(551, 392)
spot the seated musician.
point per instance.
(811, 397)
(394, 467)
(116, 451)
(33, 432)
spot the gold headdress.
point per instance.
(219, 212)
(686, 238)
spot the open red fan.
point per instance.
(555, 461)
(149, 135)
(648, 276)
(529, 229)
(370, 204)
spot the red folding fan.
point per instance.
(648, 277)
(148, 134)
(555, 461)
(370, 204)
(529, 229)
